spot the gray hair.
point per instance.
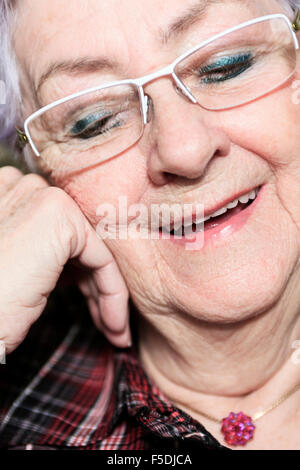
(8, 71)
(9, 114)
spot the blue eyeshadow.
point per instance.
(225, 61)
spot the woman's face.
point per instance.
(187, 155)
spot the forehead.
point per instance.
(130, 31)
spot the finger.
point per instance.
(88, 288)
(94, 289)
(108, 306)
(85, 288)
(90, 291)
(9, 176)
(113, 298)
(114, 311)
(113, 292)
(94, 311)
(120, 340)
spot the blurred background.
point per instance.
(7, 158)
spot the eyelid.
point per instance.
(90, 119)
(229, 60)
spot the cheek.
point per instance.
(270, 130)
(146, 274)
(123, 176)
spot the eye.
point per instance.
(93, 126)
(225, 68)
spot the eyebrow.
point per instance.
(89, 65)
(193, 15)
(76, 67)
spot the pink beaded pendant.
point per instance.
(238, 429)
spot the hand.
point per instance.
(41, 229)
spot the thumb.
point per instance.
(112, 289)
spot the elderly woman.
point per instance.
(154, 103)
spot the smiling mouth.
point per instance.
(213, 220)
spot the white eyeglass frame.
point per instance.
(169, 70)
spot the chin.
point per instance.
(241, 276)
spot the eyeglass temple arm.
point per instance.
(22, 139)
(296, 22)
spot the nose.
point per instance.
(182, 137)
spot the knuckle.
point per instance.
(27, 186)
(61, 209)
(9, 173)
(56, 199)
(33, 182)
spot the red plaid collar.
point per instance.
(67, 387)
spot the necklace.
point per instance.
(238, 428)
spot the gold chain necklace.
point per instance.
(238, 428)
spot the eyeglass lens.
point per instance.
(230, 71)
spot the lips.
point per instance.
(212, 217)
(215, 221)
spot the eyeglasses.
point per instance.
(227, 70)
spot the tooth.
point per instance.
(188, 231)
(252, 195)
(244, 199)
(176, 226)
(201, 221)
(179, 232)
(219, 212)
(232, 204)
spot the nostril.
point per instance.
(169, 177)
(221, 153)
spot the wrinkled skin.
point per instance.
(236, 299)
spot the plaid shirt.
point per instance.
(66, 388)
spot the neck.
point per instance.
(202, 366)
